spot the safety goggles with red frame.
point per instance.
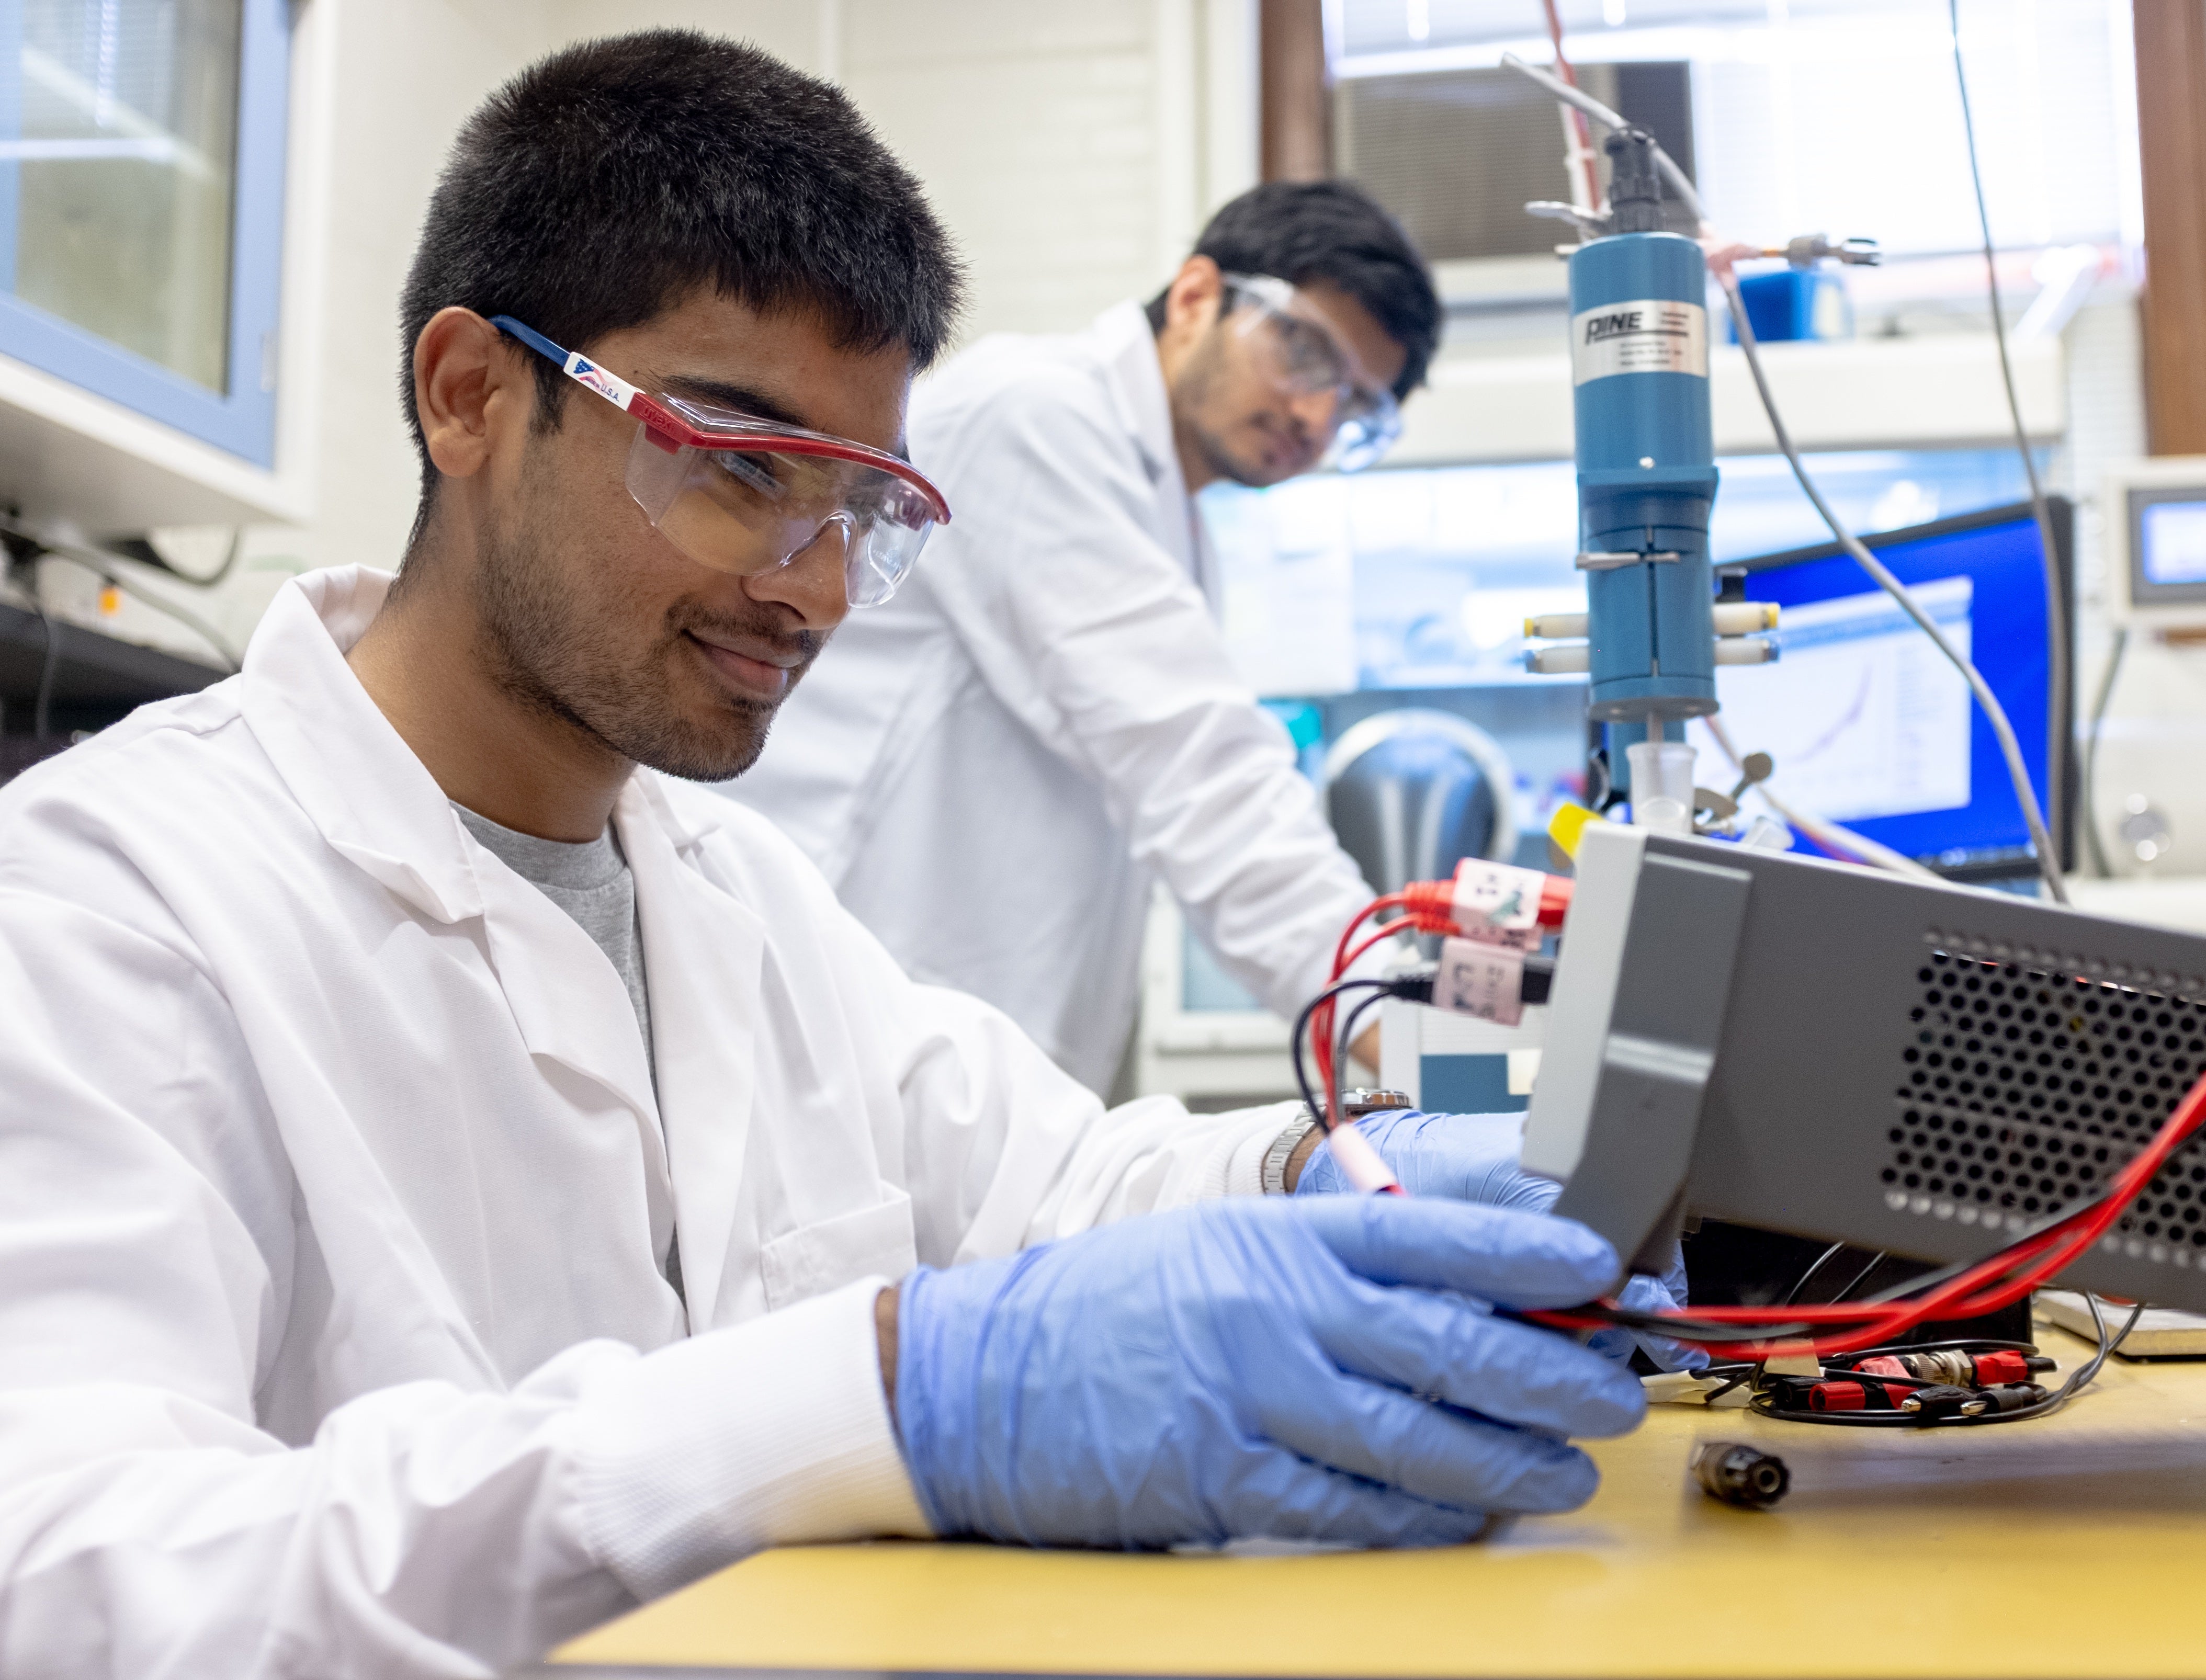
(745, 495)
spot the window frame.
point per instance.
(242, 419)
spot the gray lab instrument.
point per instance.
(1851, 1056)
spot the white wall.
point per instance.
(408, 73)
(401, 76)
(1074, 151)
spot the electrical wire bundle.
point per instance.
(1505, 911)
(1964, 1384)
(1842, 1332)
(1972, 1381)
(1934, 1384)
(1315, 1024)
(1968, 1289)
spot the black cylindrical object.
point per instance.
(1739, 1475)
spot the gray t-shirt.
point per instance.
(591, 883)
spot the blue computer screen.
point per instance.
(1868, 724)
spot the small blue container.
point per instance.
(1796, 303)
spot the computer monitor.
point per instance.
(2156, 540)
(1870, 725)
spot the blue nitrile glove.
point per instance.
(1462, 1157)
(1474, 1158)
(1250, 1368)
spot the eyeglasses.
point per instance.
(745, 496)
(1307, 358)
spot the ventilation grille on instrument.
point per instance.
(2021, 1089)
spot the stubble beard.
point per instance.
(1204, 373)
(552, 652)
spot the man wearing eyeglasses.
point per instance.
(458, 1179)
(994, 767)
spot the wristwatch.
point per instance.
(1283, 1147)
(1361, 1101)
(1354, 1104)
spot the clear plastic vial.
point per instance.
(1662, 786)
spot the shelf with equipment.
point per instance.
(98, 680)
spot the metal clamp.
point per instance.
(1609, 562)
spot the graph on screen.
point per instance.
(1862, 715)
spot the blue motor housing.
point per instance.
(1647, 474)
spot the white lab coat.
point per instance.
(993, 767)
(334, 1194)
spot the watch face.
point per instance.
(1358, 1102)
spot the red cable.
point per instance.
(1392, 901)
(1998, 1280)
(2030, 1262)
(1321, 1021)
(1430, 908)
(1379, 936)
(1577, 117)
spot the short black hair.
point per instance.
(605, 182)
(1332, 230)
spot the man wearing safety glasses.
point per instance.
(996, 765)
(458, 1179)
(746, 495)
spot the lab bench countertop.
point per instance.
(2065, 1547)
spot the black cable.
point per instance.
(1738, 1374)
(144, 553)
(1347, 1038)
(2090, 1368)
(228, 563)
(190, 620)
(1347, 1031)
(42, 713)
(2038, 1227)
(1699, 1331)
(99, 565)
(2090, 813)
(1297, 1038)
(1969, 1344)
(2083, 1375)
(1693, 1329)
(1874, 1261)
(2056, 602)
(1808, 1276)
(1760, 1408)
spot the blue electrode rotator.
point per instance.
(1646, 458)
(1646, 473)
